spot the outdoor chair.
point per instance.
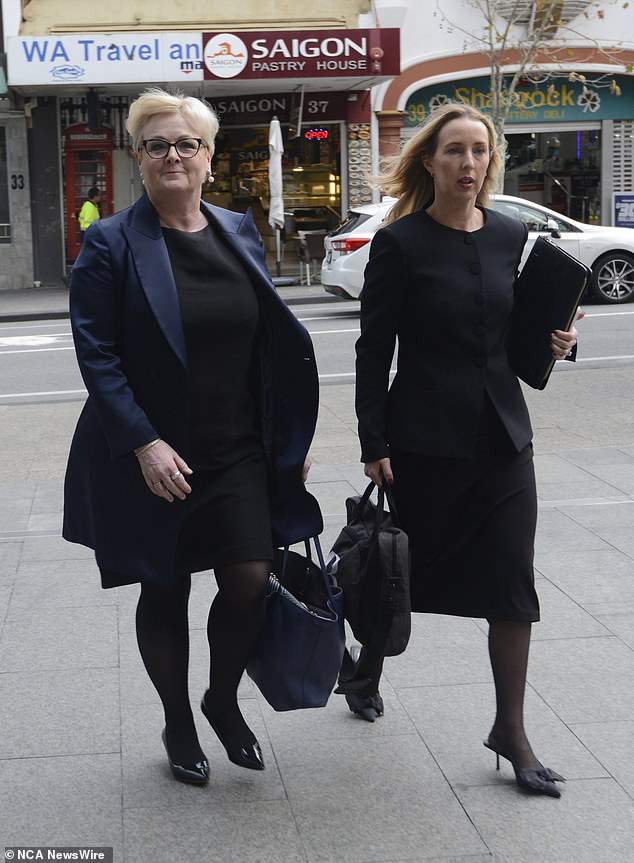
(310, 248)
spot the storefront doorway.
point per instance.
(311, 170)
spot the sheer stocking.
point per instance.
(235, 620)
(162, 628)
(509, 643)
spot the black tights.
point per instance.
(509, 642)
(235, 620)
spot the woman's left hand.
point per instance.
(563, 341)
(307, 465)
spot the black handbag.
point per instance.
(371, 563)
(299, 651)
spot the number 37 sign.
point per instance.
(623, 210)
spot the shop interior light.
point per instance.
(352, 244)
(297, 168)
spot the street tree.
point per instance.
(531, 40)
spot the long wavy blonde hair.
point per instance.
(406, 178)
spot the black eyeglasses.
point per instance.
(186, 148)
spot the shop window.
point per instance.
(559, 169)
(310, 169)
(5, 222)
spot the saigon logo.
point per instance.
(226, 55)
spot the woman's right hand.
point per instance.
(379, 470)
(163, 471)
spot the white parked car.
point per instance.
(609, 252)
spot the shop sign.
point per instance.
(554, 100)
(623, 210)
(302, 54)
(124, 58)
(258, 110)
(316, 134)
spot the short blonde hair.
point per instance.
(407, 179)
(155, 101)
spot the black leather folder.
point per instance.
(547, 295)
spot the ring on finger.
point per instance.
(175, 475)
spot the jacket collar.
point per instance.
(145, 238)
(142, 230)
(142, 217)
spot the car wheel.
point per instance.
(613, 278)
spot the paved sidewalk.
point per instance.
(81, 761)
(51, 303)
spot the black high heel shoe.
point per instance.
(536, 780)
(192, 774)
(368, 707)
(247, 755)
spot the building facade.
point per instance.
(568, 147)
(349, 80)
(72, 75)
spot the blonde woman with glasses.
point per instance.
(191, 450)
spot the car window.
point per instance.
(352, 221)
(534, 219)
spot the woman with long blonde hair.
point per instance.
(452, 432)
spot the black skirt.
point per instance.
(471, 524)
(227, 517)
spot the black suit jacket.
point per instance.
(446, 295)
(131, 351)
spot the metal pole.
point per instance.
(278, 253)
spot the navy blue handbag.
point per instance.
(299, 652)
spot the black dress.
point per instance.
(471, 524)
(455, 424)
(227, 515)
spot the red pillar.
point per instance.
(390, 125)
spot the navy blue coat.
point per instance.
(131, 351)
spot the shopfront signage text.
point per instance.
(112, 58)
(253, 110)
(551, 101)
(302, 53)
(316, 134)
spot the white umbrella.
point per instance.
(276, 199)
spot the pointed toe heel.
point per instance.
(540, 780)
(368, 707)
(535, 780)
(247, 755)
(192, 774)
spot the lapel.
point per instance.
(151, 260)
(239, 232)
